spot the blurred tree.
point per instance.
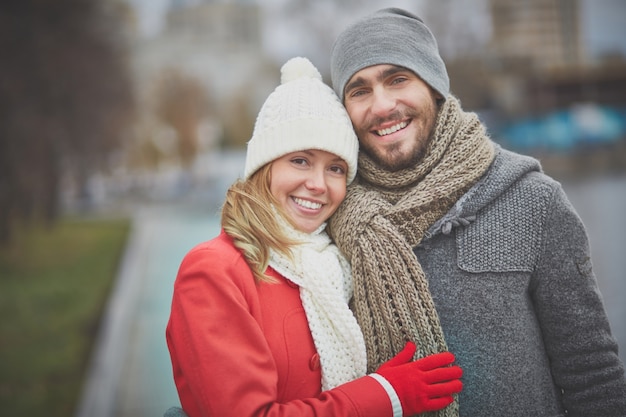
(238, 116)
(65, 99)
(182, 102)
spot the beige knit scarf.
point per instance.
(385, 215)
(323, 275)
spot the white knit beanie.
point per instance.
(301, 113)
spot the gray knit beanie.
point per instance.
(389, 36)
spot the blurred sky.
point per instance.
(603, 23)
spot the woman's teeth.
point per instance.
(307, 204)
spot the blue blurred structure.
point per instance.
(582, 125)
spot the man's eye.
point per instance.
(398, 80)
(357, 93)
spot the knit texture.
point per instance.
(388, 36)
(386, 214)
(301, 113)
(325, 282)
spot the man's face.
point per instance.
(393, 112)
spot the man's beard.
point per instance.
(391, 158)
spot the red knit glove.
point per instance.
(425, 384)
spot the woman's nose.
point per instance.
(316, 181)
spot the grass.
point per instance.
(53, 288)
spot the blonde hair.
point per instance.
(249, 218)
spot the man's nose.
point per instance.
(383, 102)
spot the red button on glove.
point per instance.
(425, 384)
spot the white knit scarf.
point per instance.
(325, 282)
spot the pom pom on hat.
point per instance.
(301, 113)
(298, 67)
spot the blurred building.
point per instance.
(544, 33)
(217, 42)
(199, 83)
(538, 62)
(218, 46)
(540, 92)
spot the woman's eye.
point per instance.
(338, 169)
(299, 161)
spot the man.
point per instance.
(460, 245)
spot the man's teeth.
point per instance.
(307, 204)
(391, 129)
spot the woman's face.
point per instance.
(309, 186)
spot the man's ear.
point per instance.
(439, 100)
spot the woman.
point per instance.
(260, 323)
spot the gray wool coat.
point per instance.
(510, 272)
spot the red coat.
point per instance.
(241, 348)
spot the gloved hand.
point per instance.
(423, 385)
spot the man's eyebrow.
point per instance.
(360, 82)
(394, 69)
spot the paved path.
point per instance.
(131, 374)
(131, 370)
